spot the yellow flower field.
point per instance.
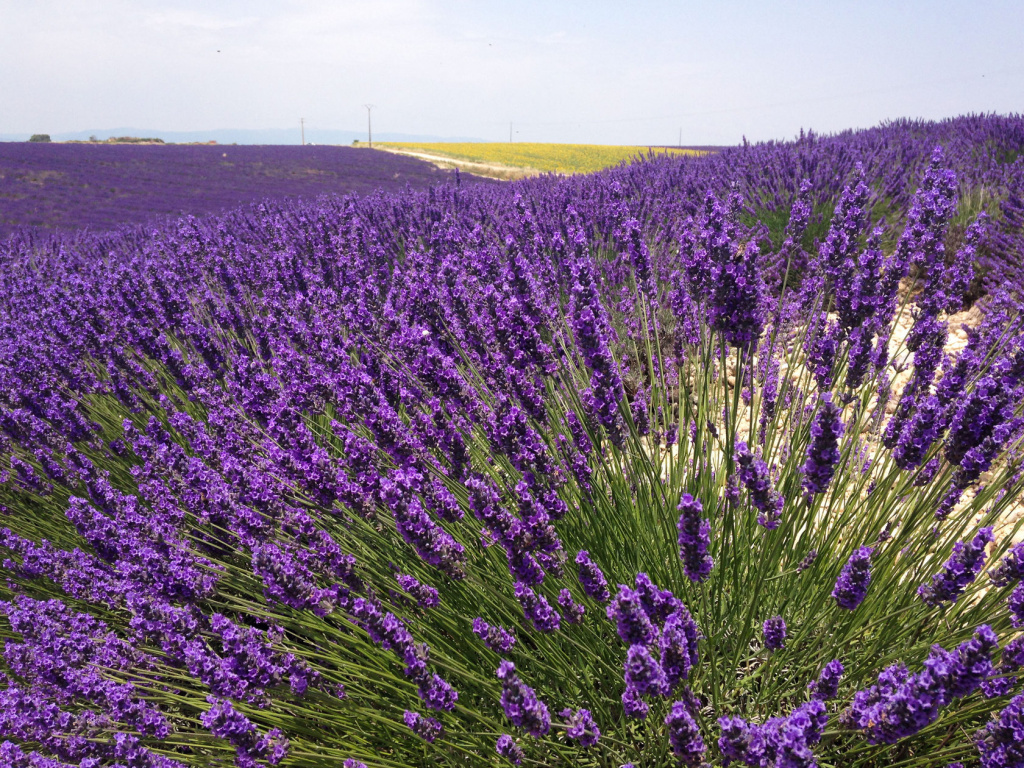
(537, 158)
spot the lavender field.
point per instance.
(696, 461)
(66, 187)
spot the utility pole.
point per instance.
(369, 125)
(302, 127)
(680, 138)
(509, 131)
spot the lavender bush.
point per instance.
(565, 472)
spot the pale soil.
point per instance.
(956, 341)
(489, 170)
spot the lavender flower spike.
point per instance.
(634, 627)
(853, 581)
(427, 728)
(497, 638)
(694, 534)
(960, 570)
(1001, 742)
(591, 578)
(684, 735)
(520, 703)
(774, 633)
(826, 686)
(756, 477)
(582, 727)
(823, 452)
(507, 748)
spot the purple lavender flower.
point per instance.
(520, 703)
(633, 706)
(581, 727)
(738, 296)
(353, 763)
(694, 538)
(427, 728)
(572, 610)
(437, 693)
(497, 638)
(678, 644)
(657, 603)
(426, 596)
(1016, 605)
(591, 578)
(632, 623)
(643, 672)
(684, 735)
(1001, 742)
(808, 561)
(1011, 568)
(537, 609)
(225, 722)
(590, 329)
(823, 452)
(900, 704)
(960, 570)
(507, 748)
(853, 581)
(781, 741)
(826, 686)
(755, 475)
(918, 433)
(774, 630)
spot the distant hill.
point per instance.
(239, 136)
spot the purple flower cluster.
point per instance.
(227, 723)
(756, 477)
(662, 638)
(738, 297)
(521, 704)
(1010, 571)
(694, 539)
(580, 727)
(591, 578)
(497, 638)
(853, 581)
(388, 631)
(774, 630)
(426, 596)
(823, 451)
(537, 609)
(826, 687)
(684, 735)
(1001, 742)
(590, 328)
(507, 748)
(427, 728)
(571, 610)
(960, 570)
(781, 741)
(900, 704)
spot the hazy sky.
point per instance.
(629, 72)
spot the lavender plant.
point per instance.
(465, 477)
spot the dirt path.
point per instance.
(489, 170)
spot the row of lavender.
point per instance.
(46, 188)
(595, 471)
